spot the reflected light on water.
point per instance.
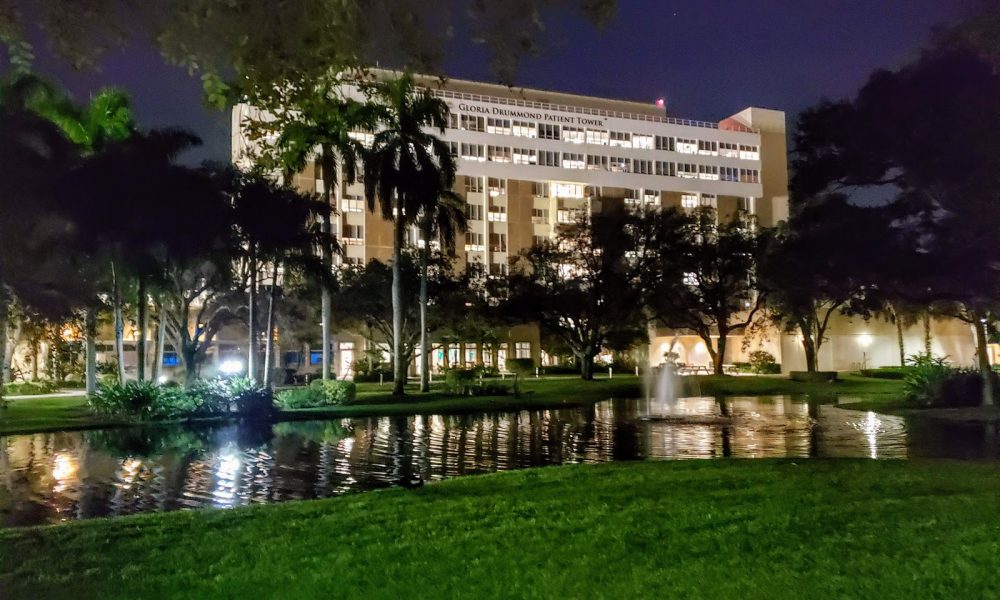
(64, 468)
(226, 472)
(871, 426)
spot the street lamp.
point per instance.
(864, 340)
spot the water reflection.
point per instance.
(46, 478)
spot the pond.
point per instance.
(55, 477)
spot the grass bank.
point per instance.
(49, 413)
(699, 529)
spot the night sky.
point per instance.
(709, 59)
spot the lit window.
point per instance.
(687, 146)
(525, 156)
(597, 136)
(729, 174)
(708, 148)
(522, 349)
(689, 200)
(621, 139)
(497, 186)
(710, 172)
(500, 154)
(597, 163)
(620, 164)
(749, 152)
(352, 203)
(474, 152)
(498, 126)
(567, 190)
(470, 123)
(573, 135)
(644, 142)
(525, 129)
(728, 150)
(572, 161)
(749, 176)
(474, 185)
(687, 170)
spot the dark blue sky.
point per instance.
(709, 58)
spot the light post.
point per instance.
(864, 340)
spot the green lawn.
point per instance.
(708, 529)
(48, 413)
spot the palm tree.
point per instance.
(404, 162)
(443, 214)
(90, 127)
(321, 118)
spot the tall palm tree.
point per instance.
(321, 118)
(405, 161)
(442, 214)
(90, 127)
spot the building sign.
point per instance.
(524, 113)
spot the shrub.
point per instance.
(336, 392)
(931, 381)
(369, 369)
(813, 377)
(31, 388)
(300, 397)
(895, 373)
(141, 399)
(249, 398)
(521, 366)
(762, 362)
(459, 381)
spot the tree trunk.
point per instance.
(161, 341)
(252, 318)
(810, 349)
(90, 333)
(425, 381)
(119, 323)
(327, 167)
(985, 370)
(4, 317)
(720, 355)
(587, 366)
(190, 368)
(269, 341)
(142, 324)
(399, 369)
(899, 340)
(927, 334)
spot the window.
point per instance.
(525, 156)
(498, 242)
(525, 129)
(651, 197)
(643, 167)
(574, 135)
(620, 165)
(474, 185)
(644, 142)
(664, 143)
(539, 188)
(538, 240)
(452, 120)
(522, 349)
(621, 139)
(548, 132)
(689, 200)
(597, 136)
(597, 163)
(708, 148)
(567, 215)
(728, 150)
(474, 241)
(500, 154)
(687, 146)
(707, 200)
(749, 175)
(473, 152)
(749, 152)
(567, 190)
(744, 204)
(470, 123)
(498, 268)
(354, 234)
(572, 161)
(352, 203)
(452, 148)
(498, 126)
(708, 172)
(540, 216)
(497, 214)
(474, 212)
(366, 138)
(729, 174)
(497, 186)
(667, 169)
(687, 170)
(548, 159)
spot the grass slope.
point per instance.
(700, 529)
(71, 412)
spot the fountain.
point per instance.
(663, 392)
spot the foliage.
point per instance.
(470, 382)
(144, 400)
(370, 369)
(599, 304)
(932, 381)
(895, 373)
(762, 362)
(322, 392)
(521, 366)
(31, 388)
(703, 274)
